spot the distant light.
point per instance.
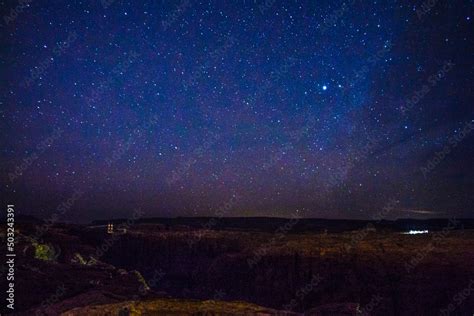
(325, 88)
(415, 232)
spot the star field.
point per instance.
(323, 109)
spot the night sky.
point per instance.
(247, 108)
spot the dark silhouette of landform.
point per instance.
(245, 266)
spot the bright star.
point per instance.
(325, 88)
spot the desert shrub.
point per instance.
(44, 252)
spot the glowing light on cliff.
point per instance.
(415, 232)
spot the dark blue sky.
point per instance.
(316, 108)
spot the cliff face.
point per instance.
(382, 274)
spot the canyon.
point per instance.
(360, 271)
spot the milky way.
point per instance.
(269, 108)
